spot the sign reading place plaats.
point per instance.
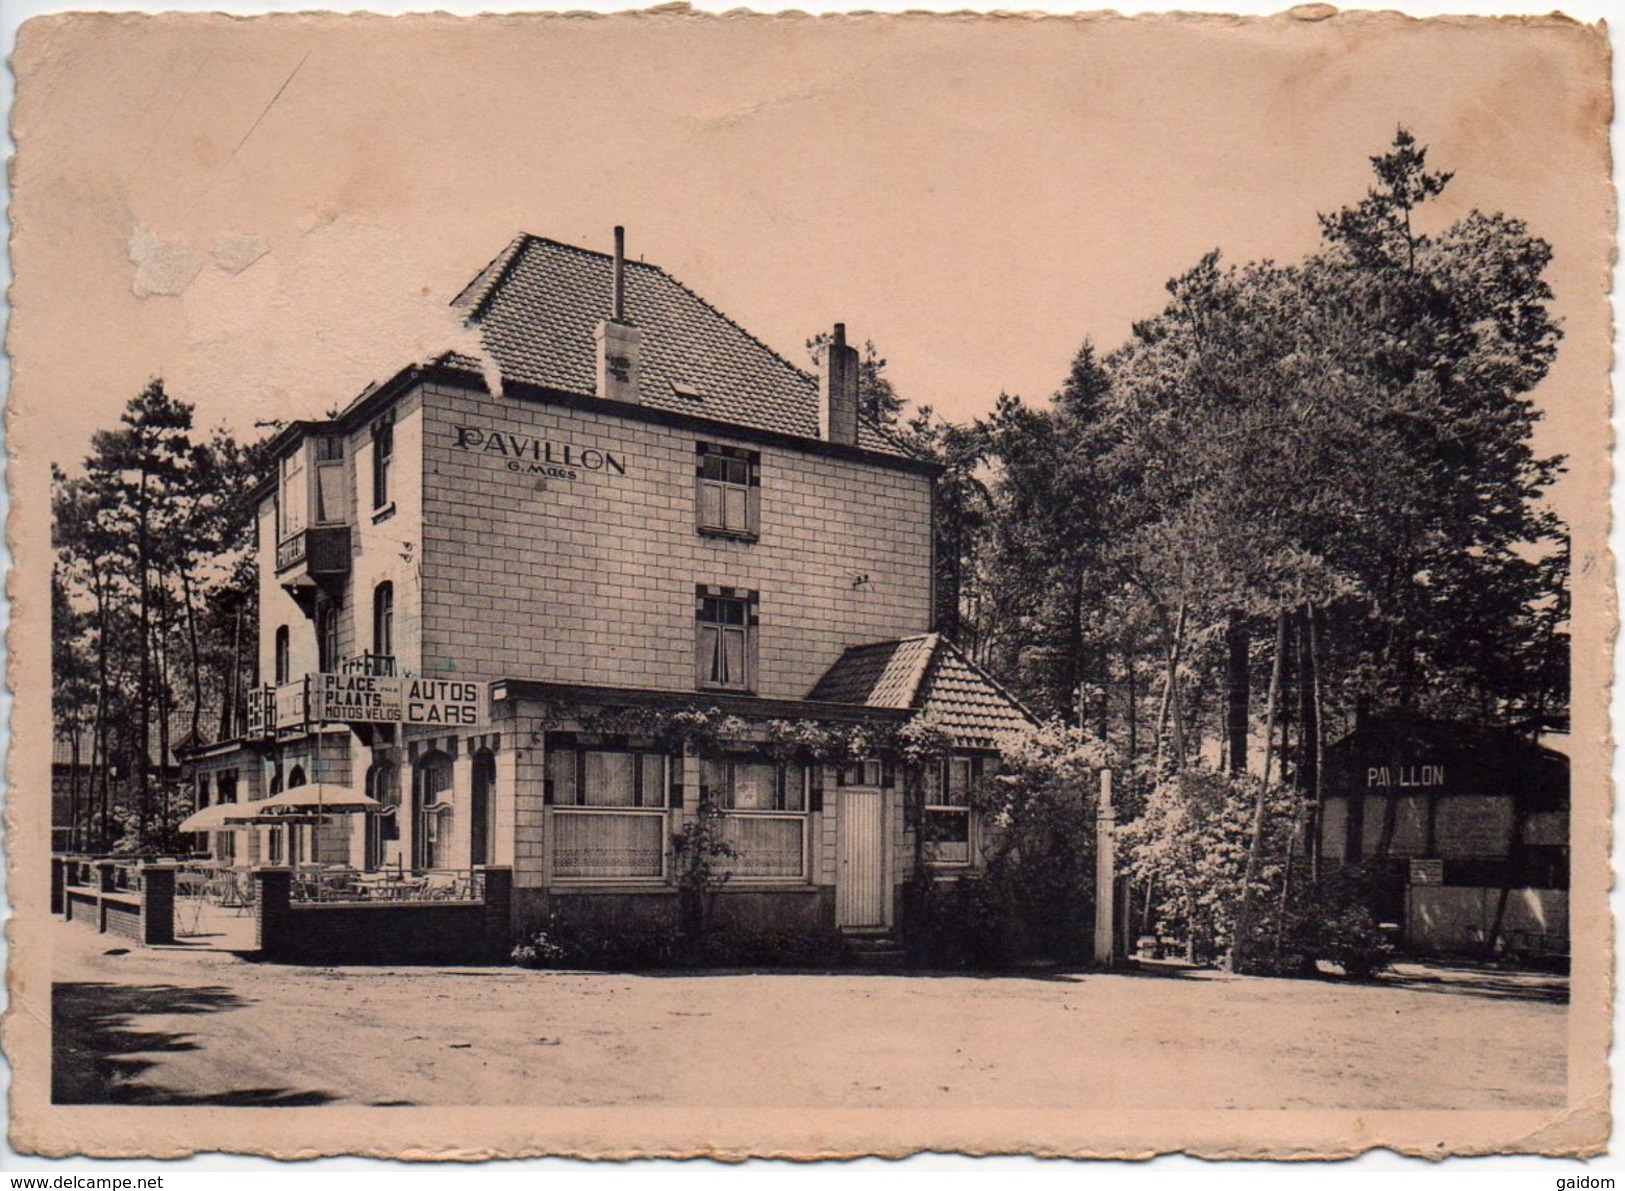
(375, 699)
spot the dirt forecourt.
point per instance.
(190, 1026)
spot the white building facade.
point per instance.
(663, 567)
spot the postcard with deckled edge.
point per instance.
(668, 584)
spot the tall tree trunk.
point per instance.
(1130, 664)
(230, 689)
(1255, 848)
(1315, 751)
(1074, 647)
(196, 655)
(1170, 681)
(144, 680)
(161, 653)
(75, 732)
(1238, 683)
(98, 738)
(1103, 705)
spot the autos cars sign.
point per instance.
(379, 699)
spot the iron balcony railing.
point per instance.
(319, 550)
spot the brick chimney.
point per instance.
(619, 344)
(838, 391)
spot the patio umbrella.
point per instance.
(319, 798)
(221, 816)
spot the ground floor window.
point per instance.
(431, 789)
(383, 826)
(947, 822)
(609, 813)
(765, 805)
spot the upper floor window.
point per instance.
(383, 457)
(728, 497)
(330, 481)
(327, 635)
(282, 664)
(383, 620)
(291, 495)
(725, 626)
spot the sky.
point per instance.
(271, 214)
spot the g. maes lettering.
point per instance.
(532, 455)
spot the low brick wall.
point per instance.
(145, 915)
(381, 932)
(122, 918)
(747, 911)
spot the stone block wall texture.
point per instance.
(592, 580)
(122, 919)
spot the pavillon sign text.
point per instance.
(529, 455)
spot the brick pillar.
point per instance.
(158, 904)
(105, 884)
(273, 901)
(498, 919)
(58, 884)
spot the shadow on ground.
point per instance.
(97, 1050)
(1496, 984)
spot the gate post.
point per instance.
(157, 904)
(1105, 871)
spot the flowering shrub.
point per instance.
(1187, 854)
(541, 951)
(1336, 924)
(1035, 897)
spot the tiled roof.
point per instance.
(538, 303)
(929, 674)
(886, 674)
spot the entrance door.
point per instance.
(860, 882)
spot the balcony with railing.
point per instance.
(376, 665)
(316, 552)
(313, 513)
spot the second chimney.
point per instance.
(619, 344)
(838, 391)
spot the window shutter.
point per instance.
(675, 765)
(753, 505)
(815, 788)
(888, 774)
